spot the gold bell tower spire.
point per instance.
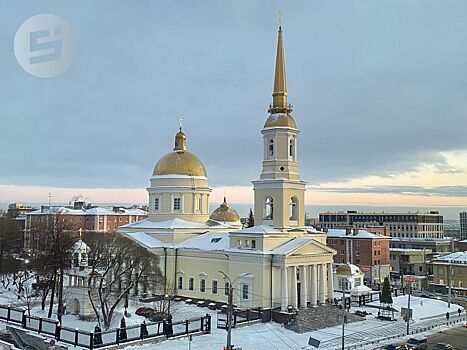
(279, 95)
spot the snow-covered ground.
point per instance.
(426, 312)
(274, 336)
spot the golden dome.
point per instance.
(180, 161)
(280, 120)
(224, 213)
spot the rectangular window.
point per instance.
(226, 288)
(180, 282)
(156, 204)
(190, 283)
(245, 292)
(214, 287)
(202, 285)
(253, 243)
(177, 203)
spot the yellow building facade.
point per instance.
(276, 263)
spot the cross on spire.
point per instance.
(181, 122)
(280, 18)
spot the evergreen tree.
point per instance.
(386, 297)
(386, 312)
(251, 219)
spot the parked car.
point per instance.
(395, 347)
(418, 343)
(442, 346)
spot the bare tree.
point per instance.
(52, 255)
(119, 266)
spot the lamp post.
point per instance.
(349, 280)
(230, 307)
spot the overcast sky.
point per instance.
(379, 92)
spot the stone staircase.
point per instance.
(320, 317)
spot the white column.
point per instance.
(303, 287)
(293, 285)
(322, 284)
(330, 282)
(314, 285)
(284, 294)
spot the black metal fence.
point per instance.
(239, 316)
(94, 340)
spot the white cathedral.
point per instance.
(276, 263)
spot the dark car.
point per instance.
(418, 343)
(442, 346)
(395, 347)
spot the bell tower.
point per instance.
(279, 192)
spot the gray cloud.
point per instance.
(445, 191)
(378, 89)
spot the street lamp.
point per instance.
(345, 272)
(230, 306)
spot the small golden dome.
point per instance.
(280, 120)
(180, 161)
(224, 213)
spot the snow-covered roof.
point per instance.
(418, 239)
(80, 245)
(360, 290)
(407, 250)
(89, 211)
(261, 229)
(207, 241)
(336, 233)
(146, 240)
(453, 258)
(292, 245)
(167, 225)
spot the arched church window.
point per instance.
(294, 208)
(291, 148)
(271, 148)
(269, 208)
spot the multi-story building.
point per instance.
(409, 261)
(87, 218)
(402, 225)
(438, 245)
(369, 251)
(463, 224)
(18, 210)
(451, 269)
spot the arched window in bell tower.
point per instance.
(271, 148)
(291, 149)
(293, 209)
(268, 208)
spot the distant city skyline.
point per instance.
(380, 103)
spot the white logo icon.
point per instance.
(45, 46)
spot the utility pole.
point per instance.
(230, 306)
(229, 317)
(408, 307)
(449, 282)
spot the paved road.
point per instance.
(457, 337)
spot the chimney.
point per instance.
(348, 231)
(355, 231)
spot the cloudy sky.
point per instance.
(378, 87)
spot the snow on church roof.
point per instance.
(259, 229)
(168, 225)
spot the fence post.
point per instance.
(76, 336)
(248, 315)
(117, 336)
(23, 319)
(201, 324)
(209, 323)
(40, 325)
(186, 326)
(91, 340)
(8, 314)
(58, 328)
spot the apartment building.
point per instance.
(451, 269)
(402, 225)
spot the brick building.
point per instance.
(87, 218)
(369, 251)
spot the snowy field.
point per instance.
(275, 336)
